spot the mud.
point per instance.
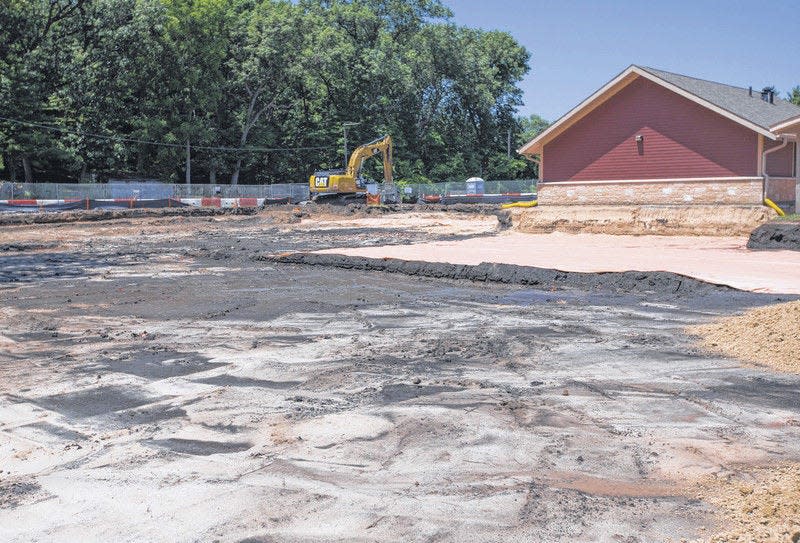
(776, 235)
(172, 387)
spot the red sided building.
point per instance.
(654, 137)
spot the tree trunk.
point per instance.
(10, 167)
(140, 162)
(235, 176)
(26, 166)
(212, 175)
(188, 163)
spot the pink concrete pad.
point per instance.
(721, 260)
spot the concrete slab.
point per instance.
(720, 260)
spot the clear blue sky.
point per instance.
(577, 46)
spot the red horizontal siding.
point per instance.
(680, 139)
(780, 163)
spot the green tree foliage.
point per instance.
(233, 78)
(794, 95)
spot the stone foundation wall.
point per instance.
(730, 192)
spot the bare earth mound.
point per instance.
(776, 235)
(699, 220)
(769, 336)
(759, 505)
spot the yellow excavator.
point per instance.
(348, 182)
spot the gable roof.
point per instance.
(734, 103)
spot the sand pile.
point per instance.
(757, 505)
(768, 336)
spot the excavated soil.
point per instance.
(290, 211)
(756, 504)
(695, 220)
(159, 382)
(768, 336)
(776, 235)
(657, 285)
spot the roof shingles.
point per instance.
(735, 100)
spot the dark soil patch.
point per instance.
(16, 492)
(776, 235)
(198, 447)
(234, 381)
(155, 365)
(94, 401)
(58, 431)
(20, 247)
(7, 219)
(402, 392)
(654, 285)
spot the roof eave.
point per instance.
(783, 125)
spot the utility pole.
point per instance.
(509, 143)
(345, 126)
(188, 163)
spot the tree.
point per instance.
(132, 84)
(794, 95)
(37, 38)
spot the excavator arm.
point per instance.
(360, 154)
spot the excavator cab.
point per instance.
(349, 182)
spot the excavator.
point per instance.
(348, 183)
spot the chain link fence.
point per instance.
(514, 186)
(146, 191)
(296, 191)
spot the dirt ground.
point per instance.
(758, 504)
(714, 259)
(767, 336)
(160, 382)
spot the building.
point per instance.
(655, 137)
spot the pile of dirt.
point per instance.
(776, 235)
(761, 504)
(48, 217)
(768, 336)
(655, 284)
(698, 220)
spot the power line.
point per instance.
(161, 143)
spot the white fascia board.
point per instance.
(786, 124)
